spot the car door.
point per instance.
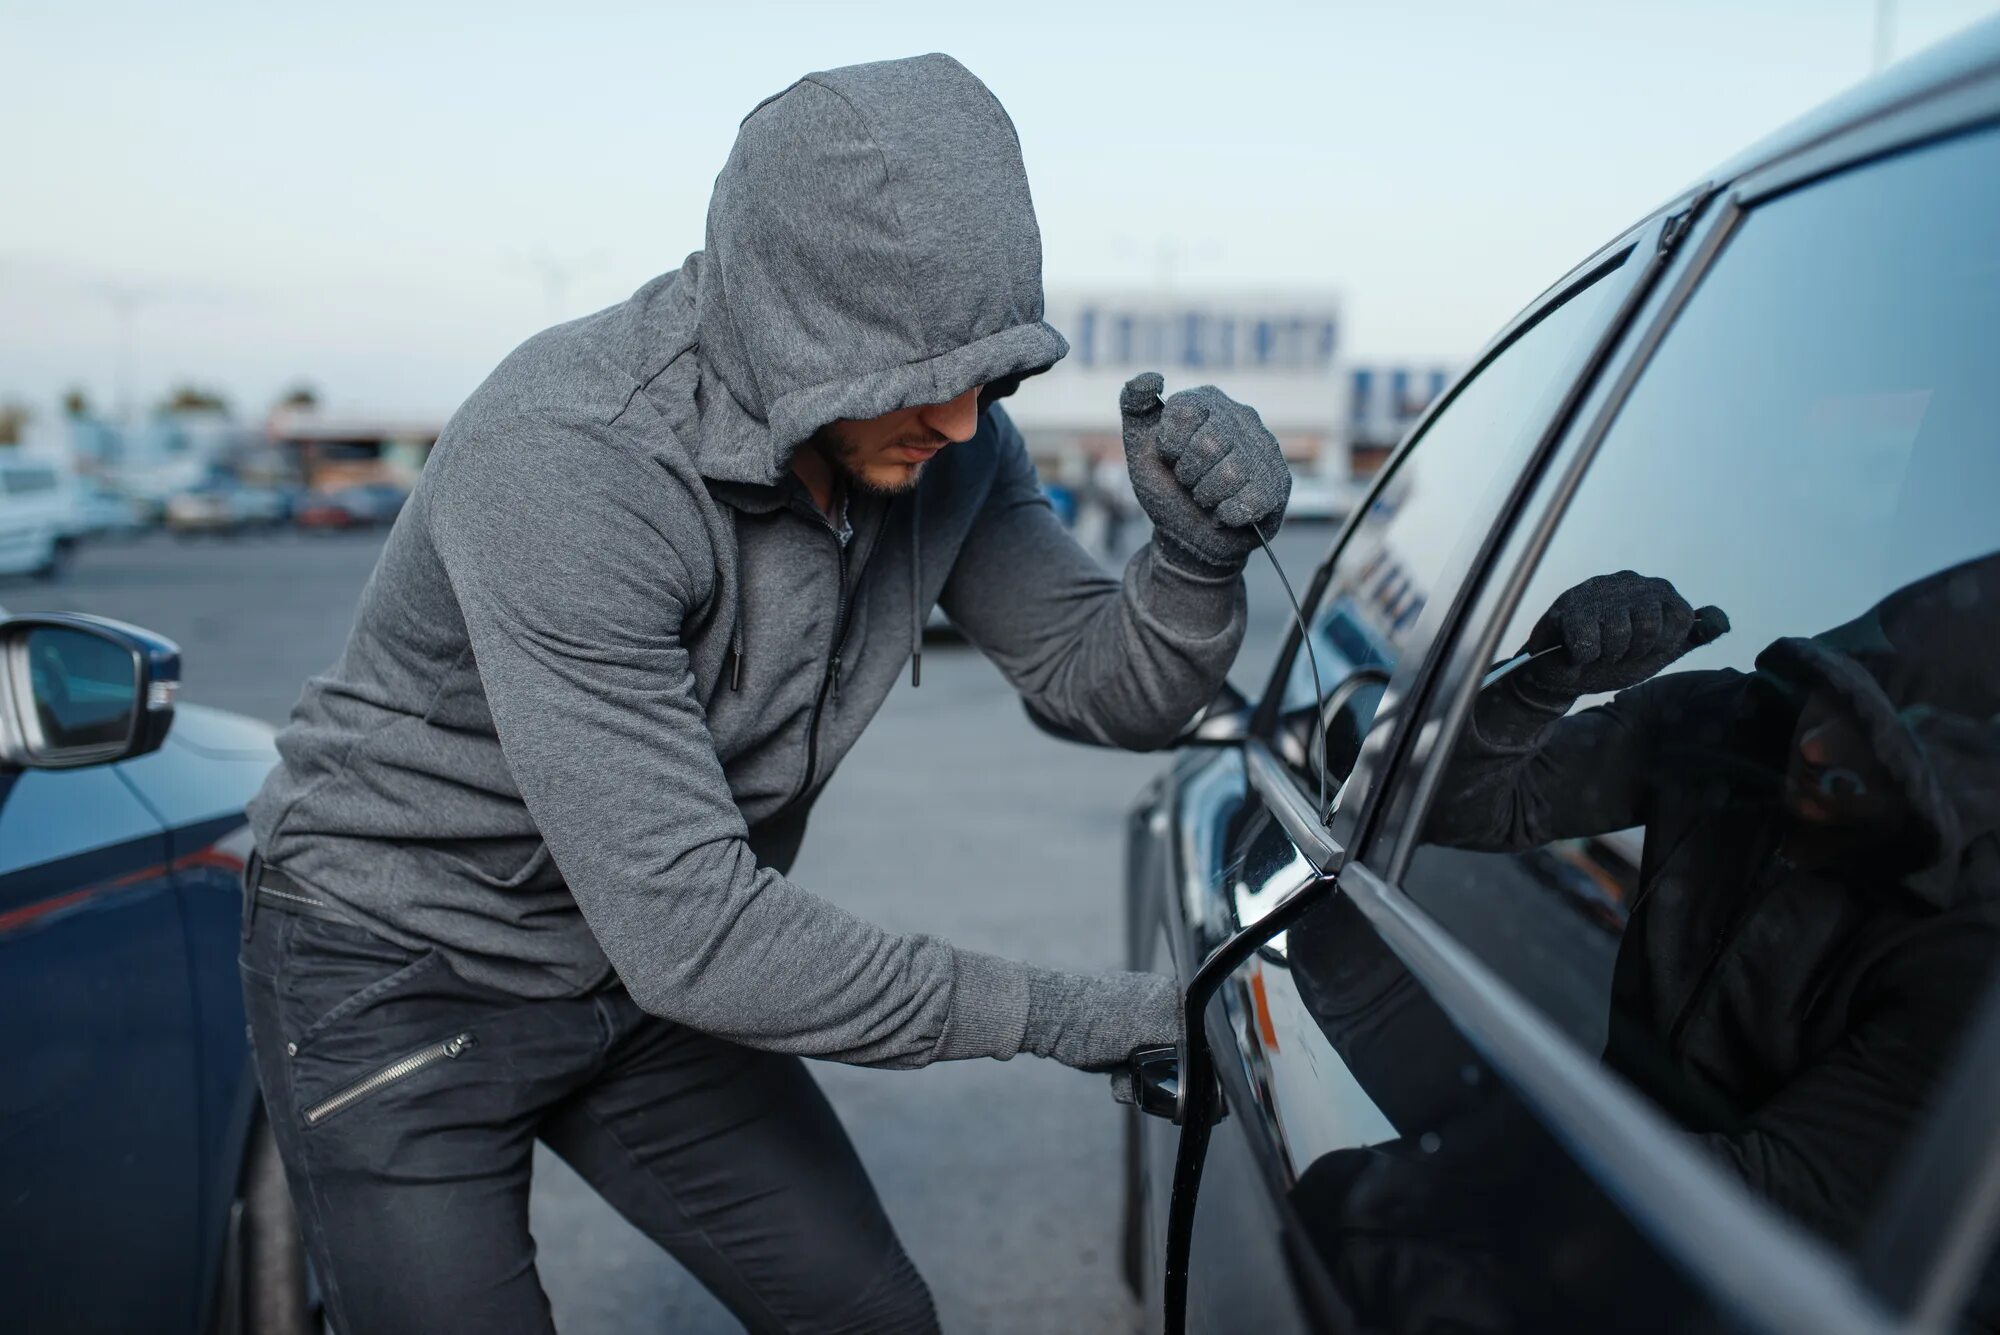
(1805, 917)
(1235, 855)
(98, 1106)
(1671, 987)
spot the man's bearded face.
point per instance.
(887, 454)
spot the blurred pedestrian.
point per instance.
(1111, 487)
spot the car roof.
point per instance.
(1971, 56)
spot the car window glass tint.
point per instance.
(1729, 814)
(1391, 563)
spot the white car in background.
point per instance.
(35, 511)
(1329, 497)
(98, 510)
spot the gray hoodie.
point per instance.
(612, 651)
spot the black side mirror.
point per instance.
(1225, 722)
(82, 690)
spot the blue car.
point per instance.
(139, 1189)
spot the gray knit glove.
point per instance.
(1611, 632)
(1205, 468)
(1092, 1021)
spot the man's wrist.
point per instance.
(989, 1007)
(1203, 602)
(1188, 562)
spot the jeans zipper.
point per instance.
(448, 1050)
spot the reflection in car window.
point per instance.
(1732, 814)
(1465, 1214)
(1390, 564)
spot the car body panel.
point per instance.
(101, 1118)
(129, 1087)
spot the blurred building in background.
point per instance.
(1383, 403)
(1282, 353)
(1278, 352)
(157, 455)
(328, 452)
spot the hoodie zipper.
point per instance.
(1770, 875)
(449, 1050)
(830, 682)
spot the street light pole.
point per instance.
(1885, 32)
(125, 302)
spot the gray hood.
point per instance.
(871, 245)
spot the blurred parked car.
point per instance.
(350, 507)
(98, 510)
(203, 509)
(35, 515)
(1323, 496)
(1667, 1007)
(142, 1189)
(223, 504)
(261, 507)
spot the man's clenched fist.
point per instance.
(1205, 469)
(1613, 631)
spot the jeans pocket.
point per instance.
(332, 973)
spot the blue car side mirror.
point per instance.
(82, 690)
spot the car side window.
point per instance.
(1728, 809)
(1364, 619)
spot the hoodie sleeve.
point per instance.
(1125, 662)
(573, 600)
(1527, 772)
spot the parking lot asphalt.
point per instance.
(953, 816)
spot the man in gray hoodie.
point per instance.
(521, 871)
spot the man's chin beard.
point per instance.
(839, 456)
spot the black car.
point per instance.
(139, 1187)
(1536, 982)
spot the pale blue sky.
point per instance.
(352, 193)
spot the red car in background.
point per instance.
(362, 506)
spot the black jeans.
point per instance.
(406, 1103)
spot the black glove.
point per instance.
(1611, 632)
(1205, 469)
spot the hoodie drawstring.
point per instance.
(736, 631)
(916, 589)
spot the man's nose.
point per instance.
(1818, 746)
(955, 420)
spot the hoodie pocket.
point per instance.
(445, 1050)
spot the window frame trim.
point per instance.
(1647, 254)
(1475, 636)
(1324, 844)
(1264, 719)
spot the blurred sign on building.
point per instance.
(1383, 403)
(331, 452)
(1279, 352)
